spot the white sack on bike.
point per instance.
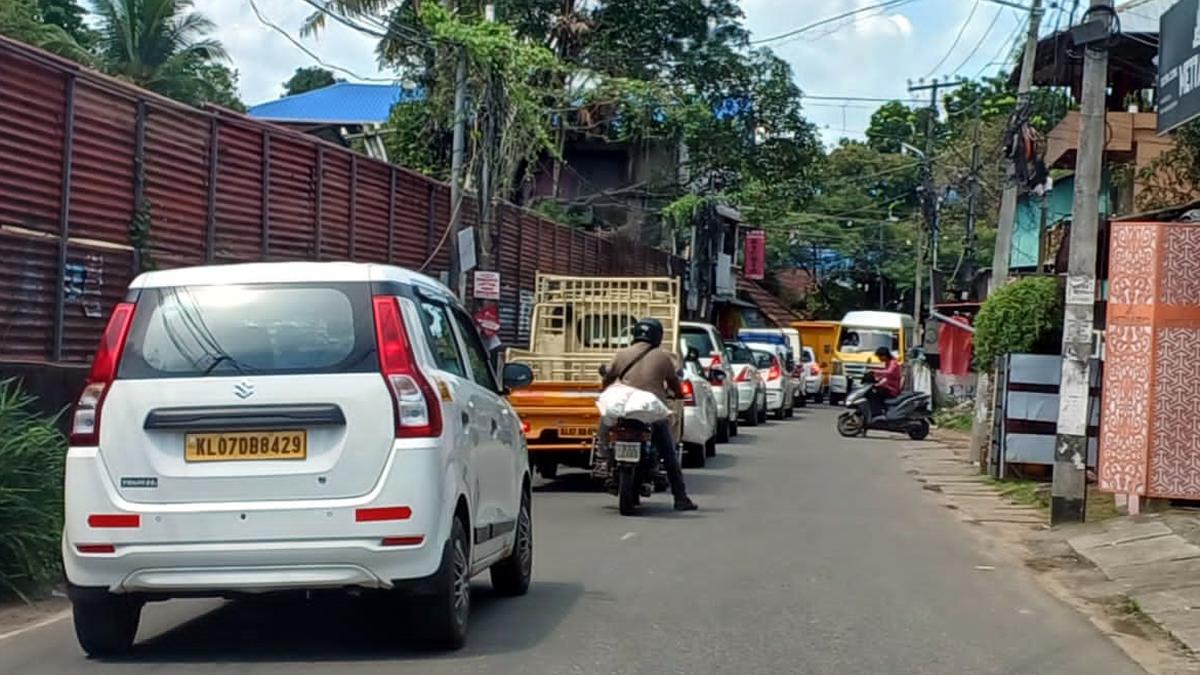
(623, 401)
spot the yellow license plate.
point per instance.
(231, 446)
(576, 432)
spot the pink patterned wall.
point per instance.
(1149, 440)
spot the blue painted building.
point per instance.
(1027, 253)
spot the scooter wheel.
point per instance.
(918, 430)
(850, 424)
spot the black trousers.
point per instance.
(660, 436)
(875, 399)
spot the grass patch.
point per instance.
(32, 451)
(1025, 492)
(1100, 505)
(954, 419)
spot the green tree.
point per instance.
(21, 20)
(160, 45)
(68, 15)
(307, 79)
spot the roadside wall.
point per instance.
(81, 150)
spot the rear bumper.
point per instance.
(229, 548)
(695, 428)
(775, 399)
(839, 384)
(747, 396)
(812, 386)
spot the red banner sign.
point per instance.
(756, 255)
(487, 318)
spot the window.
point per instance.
(866, 340)
(260, 329)
(741, 355)
(695, 338)
(481, 367)
(441, 338)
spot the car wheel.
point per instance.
(802, 400)
(450, 609)
(723, 431)
(780, 413)
(733, 427)
(106, 625)
(693, 456)
(710, 448)
(513, 575)
(762, 414)
(752, 417)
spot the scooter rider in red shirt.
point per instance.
(888, 381)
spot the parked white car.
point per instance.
(814, 380)
(292, 426)
(699, 416)
(706, 340)
(751, 388)
(785, 343)
(780, 390)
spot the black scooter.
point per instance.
(907, 413)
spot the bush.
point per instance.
(32, 452)
(1024, 317)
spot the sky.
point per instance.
(874, 54)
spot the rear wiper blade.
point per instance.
(218, 359)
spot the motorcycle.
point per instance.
(907, 413)
(629, 464)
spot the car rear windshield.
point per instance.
(262, 329)
(741, 355)
(698, 339)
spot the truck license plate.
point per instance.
(627, 452)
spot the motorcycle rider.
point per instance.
(644, 365)
(887, 382)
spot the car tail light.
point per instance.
(814, 370)
(525, 427)
(85, 421)
(689, 392)
(774, 373)
(417, 407)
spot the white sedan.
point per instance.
(699, 416)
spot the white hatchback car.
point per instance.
(292, 426)
(699, 417)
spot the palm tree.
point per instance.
(160, 45)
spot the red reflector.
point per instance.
(95, 548)
(525, 427)
(403, 541)
(114, 520)
(382, 513)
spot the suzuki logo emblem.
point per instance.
(244, 389)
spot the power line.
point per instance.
(888, 4)
(879, 99)
(957, 38)
(975, 50)
(1007, 46)
(312, 55)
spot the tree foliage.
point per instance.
(22, 20)
(1023, 317)
(309, 78)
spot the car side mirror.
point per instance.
(603, 370)
(693, 354)
(716, 376)
(517, 375)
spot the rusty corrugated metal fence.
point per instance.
(81, 151)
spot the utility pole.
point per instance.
(1008, 201)
(968, 268)
(1069, 491)
(456, 168)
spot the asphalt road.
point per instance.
(811, 554)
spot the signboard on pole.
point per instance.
(487, 285)
(487, 318)
(466, 252)
(756, 255)
(1179, 65)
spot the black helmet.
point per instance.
(883, 354)
(648, 330)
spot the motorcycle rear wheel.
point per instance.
(850, 424)
(627, 490)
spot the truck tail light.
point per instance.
(689, 393)
(85, 420)
(417, 407)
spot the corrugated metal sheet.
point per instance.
(319, 198)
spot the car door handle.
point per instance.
(495, 428)
(466, 419)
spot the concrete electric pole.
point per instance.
(1069, 490)
(1008, 200)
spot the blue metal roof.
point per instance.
(339, 103)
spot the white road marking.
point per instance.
(37, 624)
(628, 535)
(984, 568)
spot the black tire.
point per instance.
(710, 448)
(802, 401)
(627, 490)
(548, 470)
(512, 576)
(835, 399)
(733, 427)
(724, 431)
(693, 456)
(762, 413)
(780, 414)
(819, 397)
(752, 417)
(450, 610)
(106, 625)
(918, 430)
(850, 424)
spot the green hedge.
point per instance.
(1023, 317)
(32, 452)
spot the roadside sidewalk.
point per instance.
(1136, 579)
